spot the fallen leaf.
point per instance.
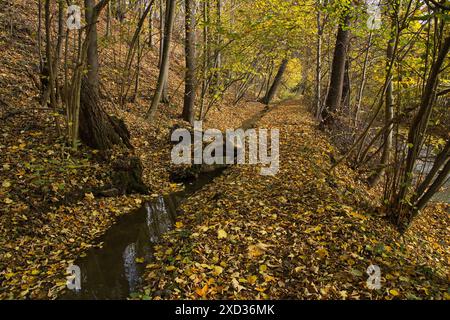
(221, 234)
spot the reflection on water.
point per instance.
(130, 267)
(115, 270)
(159, 218)
(424, 165)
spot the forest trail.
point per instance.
(251, 236)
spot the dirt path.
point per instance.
(302, 233)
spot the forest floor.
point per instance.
(301, 234)
(48, 214)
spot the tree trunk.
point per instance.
(164, 17)
(363, 81)
(161, 31)
(190, 86)
(206, 55)
(92, 51)
(138, 69)
(440, 160)
(98, 130)
(334, 96)
(415, 138)
(388, 116)
(276, 83)
(50, 90)
(164, 69)
(131, 53)
(52, 62)
(59, 50)
(218, 54)
(150, 27)
(318, 94)
(435, 186)
(108, 20)
(345, 100)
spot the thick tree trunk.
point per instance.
(92, 51)
(164, 69)
(334, 96)
(190, 86)
(276, 83)
(97, 129)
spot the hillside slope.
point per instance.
(48, 216)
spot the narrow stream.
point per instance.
(112, 272)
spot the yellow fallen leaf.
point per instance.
(236, 285)
(179, 225)
(217, 270)
(356, 215)
(139, 260)
(299, 269)
(394, 292)
(322, 253)
(24, 293)
(252, 279)
(9, 275)
(268, 278)
(257, 250)
(313, 229)
(8, 201)
(254, 251)
(221, 234)
(202, 291)
(170, 268)
(89, 196)
(6, 184)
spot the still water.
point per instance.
(115, 270)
